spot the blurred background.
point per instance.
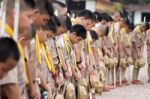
(136, 10)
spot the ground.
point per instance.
(131, 91)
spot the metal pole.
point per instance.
(16, 22)
(3, 18)
(120, 78)
(114, 76)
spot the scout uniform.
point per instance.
(18, 74)
(98, 67)
(45, 64)
(148, 51)
(30, 53)
(138, 38)
(125, 44)
(68, 52)
(57, 61)
(115, 29)
(108, 60)
(80, 53)
(12, 76)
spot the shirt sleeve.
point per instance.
(133, 34)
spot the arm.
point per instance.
(43, 81)
(12, 91)
(96, 56)
(64, 67)
(32, 86)
(138, 50)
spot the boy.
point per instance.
(148, 52)
(138, 39)
(60, 9)
(76, 34)
(10, 82)
(9, 55)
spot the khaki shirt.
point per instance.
(107, 42)
(127, 40)
(70, 54)
(52, 47)
(15, 75)
(148, 46)
(115, 29)
(139, 42)
(43, 67)
(30, 54)
(11, 77)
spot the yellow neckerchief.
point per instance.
(128, 39)
(23, 60)
(7, 29)
(82, 45)
(111, 35)
(50, 59)
(89, 43)
(46, 59)
(37, 44)
(58, 53)
(11, 34)
(67, 40)
(122, 32)
(139, 33)
(97, 47)
(73, 20)
(104, 38)
(47, 55)
(115, 34)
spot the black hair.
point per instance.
(97, 16)
(106, 17)
(68, 23)
(56, 20)
(131, 26)
(93, 34)
(50, 25)
(146, 25)
(45, 6)
(59, 3)
(49, 8)
(24, 5)
(8, 49)
(79, 30)
(110, 19)
(65, 21)
(107, 31)
(126, 21)
(87, 14)
(30, 3)
(33, 30)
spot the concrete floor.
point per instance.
(131, 91)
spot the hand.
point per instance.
(87, 61)
(60, 79)
(90, 70)
(77, 74)
(49, 94)
(110, 54)
(139, 55)
(35, 92)
(68, 73)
